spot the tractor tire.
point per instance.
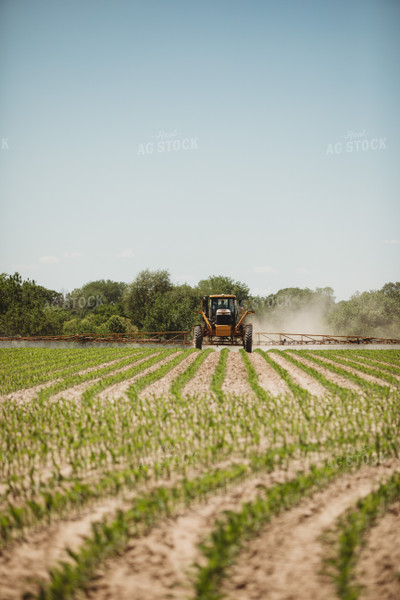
(198, 337)
(248, 338)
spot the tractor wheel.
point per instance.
(198, 337)
(248, 338)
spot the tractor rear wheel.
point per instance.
(198, 337)
(248, 338)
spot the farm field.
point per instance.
(162, 473)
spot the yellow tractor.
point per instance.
(223, 322)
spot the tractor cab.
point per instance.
(223, 310)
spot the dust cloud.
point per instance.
(289, 318)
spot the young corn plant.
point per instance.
(350, 535)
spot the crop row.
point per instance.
(36, 366)
(57, 456)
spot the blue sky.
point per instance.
(258, 140)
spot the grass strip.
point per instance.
(15, 519)
(219, 375)
(351, 534)
(51, 502)
(180, 382)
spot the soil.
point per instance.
(118, 390)
(236, 376)
(199, 385)
(27, 394)
(378, 569)
(23, 565)
(334, 377)
(75, 392)
(365, 376)
(300, 377)
(268, 378)
(160, 564)
(162, 386)
(285, 562)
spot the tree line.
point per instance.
(153, 303)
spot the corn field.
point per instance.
(184, 474)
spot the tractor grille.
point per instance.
(223, 319)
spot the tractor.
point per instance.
(223, 322)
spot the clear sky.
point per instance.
(258, 140)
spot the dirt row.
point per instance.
(23, 563)
(160, 564)
(235, 379)
(162, 386)
(199, 385)
(354, 371)
(378, 569)
(74, 392)
(283, 562)
(286, 560)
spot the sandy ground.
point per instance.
(365, 376)
(376, 361)
(334, 377)
(162, 386)
(282, 563)
(119, 390)
(106, 364)
(23, 564)
(160, 564)
(75, 392)
(378, 569)
(27, 394)
(199, 385)
(236, 376)
(300, 377)
(359, 360)
(285, 561)
(268, 378)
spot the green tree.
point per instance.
(219, 284)
(91, 296)
(174, 310)
(23, 308)
(374, 313)
(140, 296)
(116, 324)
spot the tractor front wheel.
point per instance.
(198, 337)
(248, 338)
